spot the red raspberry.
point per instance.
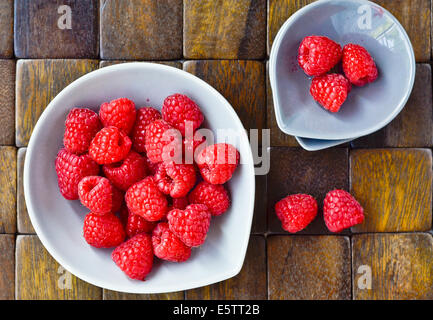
(123, 215)
(137, 224)
(214, 196)
(125, 173)
(178, 110)
(109, 146)
(330, 90)
(192, 146)
(218, 162)
(135, 256)
(119, 113)
(190, 225)
(80, 127)
(167, 246)
(152, 167)
(179, 203)
(163, 142)
(341, 210)
(358, 65)
(99, 195)
(317, 55)
(296, 211)
(70, 169)
(145, 199)
(175, 179)
(145, 116)
(103, 231)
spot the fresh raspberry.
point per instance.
(167, 246)
(296, 211)
(152, 167)
(103, 231)
(80, 127)
(193, 145)
(175, 179)
(341, 210)
(179, 203)
(317, 55)
(145, 199)
(330, 90)
(109, 146)
(179, 111)
(135, 256)
(190, 225)
(218, 162)
(125, 173)
(70, 169)
(137, 224)
(99, 195)
(358, 65)
(214, 196)
(118, 113)
(145, 116)
(163, 142)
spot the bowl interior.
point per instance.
(367, 108)
(58, 222)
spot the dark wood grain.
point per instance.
(38, 82)
(38, 35)
(401, 266)
(114, 295)
(249, 284)
(106, 63)
(8, 189)
(294, 170)
(24, 224)
(309, 267)
(141, 29)
(7, 267)
(7, 102)
(39, 276)
(395, 188)
(259, 219)
(225, 29)
(6, 28)
(413, 127)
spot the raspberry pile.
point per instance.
(129, 168)
(318, 55)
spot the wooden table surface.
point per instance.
(226, 43)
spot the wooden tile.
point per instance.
(7, 267)
(415, 17)
(8, 189)
(249, 284)
(56, 29)
(106, 63)
(395, 188)
(6, 28)
(226, 29)
(259, 225)
(400, 266)
(309, 267)
(242, 83)
(141, 29)
(114, 295)
(7, 102)
(294, 170)
(38, 82)
(23, 221)
(39, 276)
(413, 127)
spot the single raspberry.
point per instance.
(145, 116)
(190, 225)
(163, 142)
(167, 246)
(125, 173)
(317, 55)
(99, 195)
(103, 231)
(214, 196)
(218, 162)
(109, 146)
(358, 65)
(341, 210)
(135, 256)
(137, 224)
(70, 169)
(175, 179)
(330, 90)
(145, 199)
(296, 211)
(180, 111)
(80, 127)
(119, 113)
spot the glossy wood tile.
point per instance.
(106, 63)
(24, 224)
(8, 189)
(6, 28)
(7, 102)
(7, 266)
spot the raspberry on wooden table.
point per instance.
(214, 196)
(167, 246)
(175, 179)
(358, 65)
(119, 113)
(163, 142)
(99, 195)
(296, 211)
(145, 116)
(330, 90)
(103, 231)
(109, 146)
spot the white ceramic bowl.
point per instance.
(59, 222)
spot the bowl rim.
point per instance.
(273, 65)
(124, 287)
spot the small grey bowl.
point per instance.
(368, 108)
